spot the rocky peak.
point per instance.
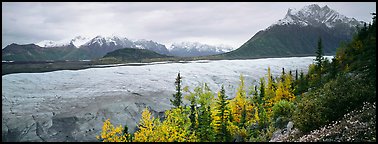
(315, 15)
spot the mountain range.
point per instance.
(82, 48)
(193, 49)
(294, 35)
(298, 32)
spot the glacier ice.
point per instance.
(71, 105)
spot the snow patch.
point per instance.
(78, 41)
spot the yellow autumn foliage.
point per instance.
(239, 102)
(216, 118)
(284, 90)
(146, 127)
(269, 89)
(176, 127)
(111, 134)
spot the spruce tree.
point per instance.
(192, 97)
(283, 75)
(302, 84)
(243, 118)
(192, 115)
(270, 87)
(177, 97)
(319, 61)
(290, 73)
(319, 56)
(125, 130)
(223, 134)
(127, 134)
(205, 131)
(262, 91)
(255, 97)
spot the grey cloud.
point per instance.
(232, 23)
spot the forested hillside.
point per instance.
(324, 104)
(133, 55)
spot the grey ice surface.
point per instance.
(71, 105)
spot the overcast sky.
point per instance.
(164, 22)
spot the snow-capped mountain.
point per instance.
(297, 33)
(188, 49)
(151, 45)
(106, 44)
(110, 41)
(77, 42)
(50, 43)
(315, 15)
(78, 48)
(100, 45)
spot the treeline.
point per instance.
(330, 89)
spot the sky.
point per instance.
(214, 23)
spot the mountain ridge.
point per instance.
(297, 34)
(190, 49)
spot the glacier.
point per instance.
(71, 105)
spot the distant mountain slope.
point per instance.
(297, 34)
(84, 48)
(132, 54)
(78, 48)
(151, 45)
(32, 52)
(192, 49)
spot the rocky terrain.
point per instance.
(356, 126)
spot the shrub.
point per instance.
(282, 113)
(332, 101)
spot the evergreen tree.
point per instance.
(126, 130)
(302, 85)
(192, 116)
(205, 130)
(243, 118)
(283, 75)
(333, 68)
(290, 73)
(270, 88)
(319, 57)
(262, 91)
(177, 97)
(223, 134)
(263, 118)
(255, 95)
(127, 134)
(175, 127)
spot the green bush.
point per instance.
(332, 101)
(308, 115)
(282, 113)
